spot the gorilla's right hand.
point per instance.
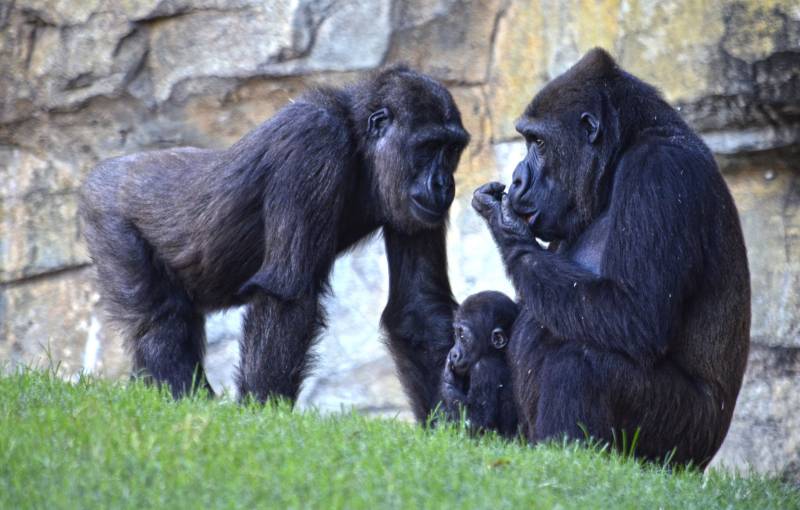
(493, 205)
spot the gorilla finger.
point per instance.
(505, 206)
(512, 222)
(493, 189)
(485, 205)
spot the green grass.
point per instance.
(96, 444)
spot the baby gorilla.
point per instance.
(476, 375)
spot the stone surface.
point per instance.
(732, 66)
(56, 322)
(445, 38)
(227, 44)
(766, 189)
(763, 436)
(85, 80)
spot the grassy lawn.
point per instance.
(97, 444)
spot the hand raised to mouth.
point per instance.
(492, 203)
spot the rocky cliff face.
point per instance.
(83, 80)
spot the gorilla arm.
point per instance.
(301, 210)
(419, 313)
(483, 399)
(304, 200)
(628, 305)
(453, 396)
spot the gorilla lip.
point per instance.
(426, 213)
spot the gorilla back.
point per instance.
(640, 318)
(177, 233)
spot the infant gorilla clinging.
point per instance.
(476, 375)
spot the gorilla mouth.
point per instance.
(424, 213)
(544, 239)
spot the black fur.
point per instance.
(178, 233)
(476, 377)
(638, 316)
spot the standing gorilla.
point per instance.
(640, 317)
(178, 233)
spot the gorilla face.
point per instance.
(481, 328)
(432, 186)
(467, 349)
(418, 140)
(543, 190)
(473, 343)
(559, 188)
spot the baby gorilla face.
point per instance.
(472, 344)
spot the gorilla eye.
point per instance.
(534, 140)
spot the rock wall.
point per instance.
(83, 80)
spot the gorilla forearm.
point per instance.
(419, 313)
(276, 338)
(573, 303)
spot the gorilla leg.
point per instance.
(275, 343)
(610, 395)
(171, 346)
(572, 395)
(146, 302)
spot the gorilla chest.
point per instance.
(589, 248)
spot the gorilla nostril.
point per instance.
(437, 182)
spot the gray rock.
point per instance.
(767, 194)
(56, 323)
(58, 67)
(763, 436)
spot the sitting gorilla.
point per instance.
(638, 314)
(476, 376)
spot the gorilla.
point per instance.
(476, 375)
(178, 233)
(637, 315)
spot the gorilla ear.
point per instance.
(378, 122)
(499, 338)
(592, 126)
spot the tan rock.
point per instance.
(449, 40)
(763, 435)
(39, 233)
(477, 165)
(55, 321)
(767, 195)
(693, 50)
(519, 68)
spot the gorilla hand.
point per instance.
(493, 204)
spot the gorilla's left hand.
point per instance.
(493, 204)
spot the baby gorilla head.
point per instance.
(482, 327)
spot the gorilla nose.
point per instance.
(456, 362)
(443, 188)
(520, 182)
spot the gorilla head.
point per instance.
(482, 327)
(571, 133)
(412, 142)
